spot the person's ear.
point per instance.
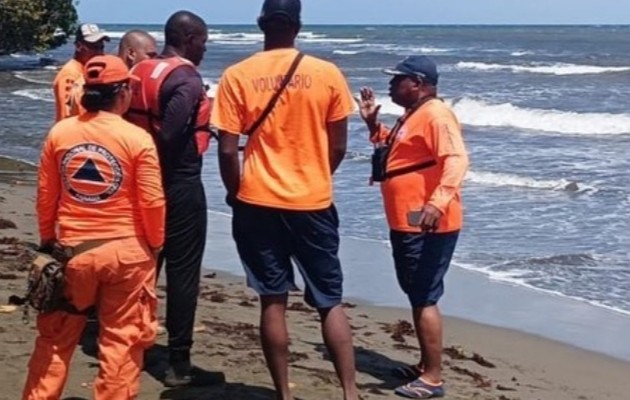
(188, 38)
(298, 28)
(125, 98)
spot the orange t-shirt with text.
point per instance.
(286, 162)
(431, 133)
(68, 89)
(99, 178)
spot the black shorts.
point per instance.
(422, 260)
(268, 239)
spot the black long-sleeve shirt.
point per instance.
(179, 102)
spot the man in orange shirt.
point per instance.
(136, 46)
(100, 197)
(282, 202)
(67, 87)
(421, 163)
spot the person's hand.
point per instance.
(54, 249)
(230, 200)
(155, 252)
(368, 109)
(47, 246)
(430, 218)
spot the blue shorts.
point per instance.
(267, 239)
(421, 261)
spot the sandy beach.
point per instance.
(480, 362)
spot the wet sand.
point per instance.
(480, 362)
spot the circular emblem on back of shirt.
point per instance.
(91, 173)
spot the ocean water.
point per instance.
(546, 115)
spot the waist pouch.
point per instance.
(44, 287)
(379, 163)
(46, 282)
(379, 166)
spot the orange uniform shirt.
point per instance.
(99, 178)
(431, 133)
(68, 89)
(286, 161)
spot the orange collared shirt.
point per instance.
(286, 163)
(431, 133)
(99, 178)
(68, 89)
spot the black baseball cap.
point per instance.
(289, 9)
(417, 66)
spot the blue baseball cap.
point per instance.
(417, 66)
(289, 9)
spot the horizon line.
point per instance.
(390, 24)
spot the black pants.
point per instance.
(186, 223)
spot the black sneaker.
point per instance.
(176, 377)
(179, 369)
(193, 376)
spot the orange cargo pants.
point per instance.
(117, 277)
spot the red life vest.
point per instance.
(144, 110)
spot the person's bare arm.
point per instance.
(337, 142)
(229, 164)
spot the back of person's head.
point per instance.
(135, 46)
(180, 25)
(186, 33)
(280, 17)
(106, 78)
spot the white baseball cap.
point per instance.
(90, 33)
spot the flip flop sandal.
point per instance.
(419, 389)
(407, 371)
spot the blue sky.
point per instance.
(370, 11)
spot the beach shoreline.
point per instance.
(508, 365)
(469, 295)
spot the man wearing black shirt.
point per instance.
(176, 119)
